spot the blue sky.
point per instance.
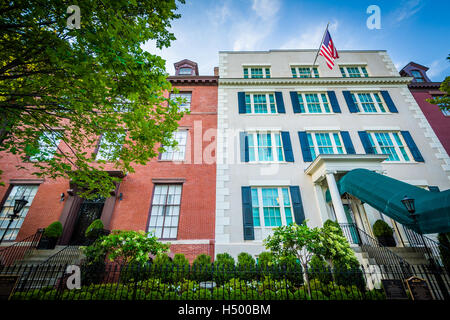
(411, 30)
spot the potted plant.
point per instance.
(95, 231)
(384, 233)
(50, 236)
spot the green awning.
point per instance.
(385, 194)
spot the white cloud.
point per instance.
(310, 38)
(437, 67)
(408, 9)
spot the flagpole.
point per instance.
(317, 54)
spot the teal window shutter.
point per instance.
(241, 102)
(390, 104)
(306, 152)
(366, 142)
(352, 107)
(280, 102)
(295, 103)
(348, 142)
(297, 205)
(412, 146)
(247, 214)
(287, 146)
(334, 102)
(243, 138)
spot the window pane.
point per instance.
(17, 192)
(312, 100)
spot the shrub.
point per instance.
(301, 294)
(220, 294)
(202, 268)
(381, 228)
(318, 269)
(291, 269)
(134, 272)
(223, 268)
(349, 275)
(329, 222)
(54, 230)
(180, 267)
(246, 266)
(444, 249)
(94, 230)
(162, 267)
(92, 272)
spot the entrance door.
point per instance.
(90, 210)
(352, 223)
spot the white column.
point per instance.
(336, 198)
(321, 203)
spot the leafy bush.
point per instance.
(202, 268)
(94, 230)
(163, 268)
(349, 275)
(180, 267)
(246, 266)
(223, 268)
(54, 230)
(318, 269)
(381, 228)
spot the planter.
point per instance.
(387, 241)
(47, 243)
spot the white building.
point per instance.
(285, 138)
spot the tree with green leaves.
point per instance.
(443, 101)
(63, 87)
(294, 240)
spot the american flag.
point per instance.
(328, 50)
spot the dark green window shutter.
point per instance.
(247, 214)
(287, 147)
(412, 146)
(304, 144)
(297, 204)
(347, 142)
(434, 189)
(366, 142)
(243, 138)
(390, 104)
(241, 102)
(280, 102)
(333, 101)
(352, 107)
(295, 103)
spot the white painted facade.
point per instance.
(314, 177)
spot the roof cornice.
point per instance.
(179, 80)
(315, 81)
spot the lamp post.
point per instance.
(18, 206)
(410, 206)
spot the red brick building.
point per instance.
(173, 195)
(423, 88)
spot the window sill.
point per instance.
(262, 114)
(373, 113)
(316, 113)
(268, 162)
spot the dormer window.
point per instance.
(417, 75)
(185, 71)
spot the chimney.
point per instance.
(216, 71)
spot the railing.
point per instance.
(19, 250)
(380, 253)
(67, 255)
(429, 249)
(183, 282)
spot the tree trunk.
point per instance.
(305, 268)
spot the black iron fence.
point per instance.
(20, 249)
(171, 282)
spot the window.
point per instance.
(109, 146)
(256, 72)
(265, 147)
(165, 211)
(183, 99)
(185, 71)
(314, 102)
(260, 103)
(417, 75)
(47, 144)
(271, 207)
(390, 143)
(369, 102)
(178, 152)
(304, 72)
(17, 192)
(354, 72)
(446, 112)
(325, 143)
